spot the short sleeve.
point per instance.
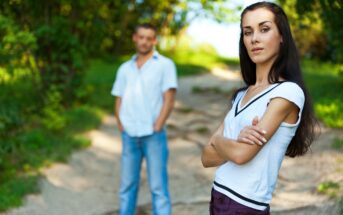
(291, 92)
(119, 83)
(169, 79)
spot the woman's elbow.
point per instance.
(241, 158)
(205, 162)
(240, 161)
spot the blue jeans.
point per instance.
(154, 148)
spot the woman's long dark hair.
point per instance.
(287, 66)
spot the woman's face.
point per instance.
(261, 36)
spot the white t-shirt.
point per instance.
(252, 184)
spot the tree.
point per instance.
(317, 27)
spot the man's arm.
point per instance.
(117, 105)
(232, 150)
(167, 107)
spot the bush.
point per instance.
(325, 82)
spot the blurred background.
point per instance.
(58, 61)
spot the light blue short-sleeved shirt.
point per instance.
(141, 91)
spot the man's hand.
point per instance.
(252, 134)
(120, 127)
(167, 107)
(157, 127)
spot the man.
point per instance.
(145, 89)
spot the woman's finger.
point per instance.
(254, 139)
(246, 140)
(258, 129)
(258, 136)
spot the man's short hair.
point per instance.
(146, 26)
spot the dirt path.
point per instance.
(88, 183)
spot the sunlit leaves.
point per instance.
(318, 27)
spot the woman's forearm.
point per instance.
(210, 157)
(233, 150)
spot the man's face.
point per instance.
(145, 40)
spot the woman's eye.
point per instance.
(247, 33)
(263, 30)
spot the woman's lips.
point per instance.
(256, 50)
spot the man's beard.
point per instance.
(144, 51)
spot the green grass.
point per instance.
(329, 188)
(189, 69)
(82, 118)
(50, 135)
(186, 109)
(98, 83)
(325, 84)
(337, 143)
(24, 154)
(209, 90)
(202, 130)
(194, 61)
(340, 205)
(11, 192)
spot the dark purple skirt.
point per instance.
(222, 205)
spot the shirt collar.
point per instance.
(155, 55)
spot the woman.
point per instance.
(270, 118)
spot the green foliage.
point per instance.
(337, 143)
(61, 67)
(210, 90)
(196, 59)
(331, 13)
(340, 205)
(82, 118)
(201, 55)
(98, 83)
(16, 45)
(12, 191)
(51, 112)
(317, 27)
(202, 130)
(19, 99)
(329, 188)
(39, 145)
(201, 90)
(324, 81)
(185, 110)
(190, 69)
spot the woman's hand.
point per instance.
(252, 134)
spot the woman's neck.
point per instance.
(262, 72)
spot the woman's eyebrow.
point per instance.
(259, 24)
(264, 22)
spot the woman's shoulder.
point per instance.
(290, 91)
(290, 87)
